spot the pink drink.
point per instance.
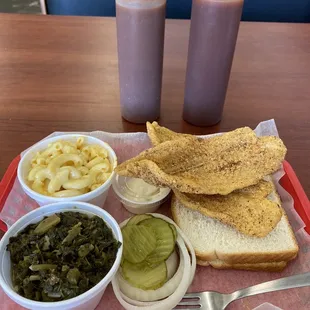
(140, 38)
(213, 35)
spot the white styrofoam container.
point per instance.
(139, 207)
(96, 197)
(86, 301)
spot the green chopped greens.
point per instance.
(62, 256)
(46, 224)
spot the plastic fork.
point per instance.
(217, 301)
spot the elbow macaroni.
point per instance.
(67, 169)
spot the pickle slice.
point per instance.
(135, 220)
(143, 276)
(139, 242)
(165, 241)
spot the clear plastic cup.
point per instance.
(96, 197)
(86, 301)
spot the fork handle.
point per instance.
(299, 280)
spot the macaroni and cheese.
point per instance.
(67, 169)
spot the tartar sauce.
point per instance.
(139, 191)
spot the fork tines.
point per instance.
(192, 300)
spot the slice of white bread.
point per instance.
(218, 264)
(213, 240)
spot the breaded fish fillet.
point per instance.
(218, 165)
(158, 134)
(254, 211)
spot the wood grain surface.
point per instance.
(60, 74)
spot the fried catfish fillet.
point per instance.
(158, 134)
(253, 211)
(218, 165)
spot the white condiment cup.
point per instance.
(96, 197)
(86, 301)
(138, 202)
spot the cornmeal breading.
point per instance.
(158, 134)
(250, 210)
(218, 165)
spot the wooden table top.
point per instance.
(60, 74)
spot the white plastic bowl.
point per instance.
(96, 197)
(86, 301)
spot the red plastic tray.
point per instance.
(289, 181)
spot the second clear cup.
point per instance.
(140, 40)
